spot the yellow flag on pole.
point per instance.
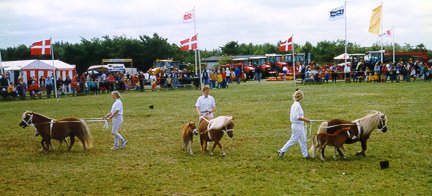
(375, 22)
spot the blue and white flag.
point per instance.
(337, 13)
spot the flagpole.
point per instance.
(197, 52)
(1, 64)
(292, 42)
(345, 54)
(54, 74)
(392, 34)
(380, 32)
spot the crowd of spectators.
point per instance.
(380, 72)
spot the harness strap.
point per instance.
(51, 127)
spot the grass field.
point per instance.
(153, 163)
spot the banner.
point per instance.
(188, 16)
(189, 43)
(337, 13)
(286, 45)
(375, 22)
(41, 48)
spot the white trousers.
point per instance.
(298, 135)
(116, 123)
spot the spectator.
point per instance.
(347, 72)
(238, 73)
(228, 76)
(34, 90)
(11, 91)
(49, 82)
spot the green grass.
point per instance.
(153, 163)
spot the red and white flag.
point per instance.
(286, 45)
(41, 48)
(189, 43)
(188, 16)
(387, 33)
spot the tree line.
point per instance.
(145, 49)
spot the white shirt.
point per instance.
(296, 113)
(347, 69)
(205, 104)
(117, 105)
(228, 72)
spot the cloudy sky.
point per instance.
(220, 21)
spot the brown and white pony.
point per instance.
(336, 140)
(50, 129)
(187, 132)
(362, 127)
(213, 131)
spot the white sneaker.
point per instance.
(124, 143)
(115, 148)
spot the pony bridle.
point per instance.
(226, 130)
(29, 121)
(383, 125)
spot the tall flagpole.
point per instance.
(345, 54)
(54, 73)
(1, 64)
(393, 43)
(292, 42)
(380, 32)
(195, 52)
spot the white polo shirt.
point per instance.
(117, 105)
(205, 103)
(296, 113)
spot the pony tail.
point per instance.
(86, 134)
(323, 127)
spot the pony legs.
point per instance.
(220, 147)
(364, 147)
(72, 141)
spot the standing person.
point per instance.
(116, 114)
(49, 86)
(228, 76)
(258, 74)
(297, 126)
(285, 72)
(238, 72)
(205, 104)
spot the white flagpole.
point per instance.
(380, 32)
(393, 43)
(196, 52)
(54, 73)
(345, 54)
(1, 64)
(292, 42)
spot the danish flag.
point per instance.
(286, 45)
(188, 16)
(189, 43)
(41, 48)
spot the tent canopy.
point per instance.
(341, 56)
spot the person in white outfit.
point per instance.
(116, 114)
(297, 126)
(205, 104)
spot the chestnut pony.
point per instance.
(362, 127)
(336, 140)
(187, 132)
(213, 130)
(50, 128)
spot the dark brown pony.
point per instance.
(336, 140)
(211, 134)
(187, 132)
(362, 127)
(50, 129)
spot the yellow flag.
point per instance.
(375, 22)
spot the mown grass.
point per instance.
(153, 163)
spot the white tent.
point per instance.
(37, 68)
(341, 56)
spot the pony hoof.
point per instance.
(223, 154)
(211, 154)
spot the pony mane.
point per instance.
(370, 121)
(27, 112)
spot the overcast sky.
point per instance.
(218, 21)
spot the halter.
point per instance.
(382, 124)
(29, 121)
